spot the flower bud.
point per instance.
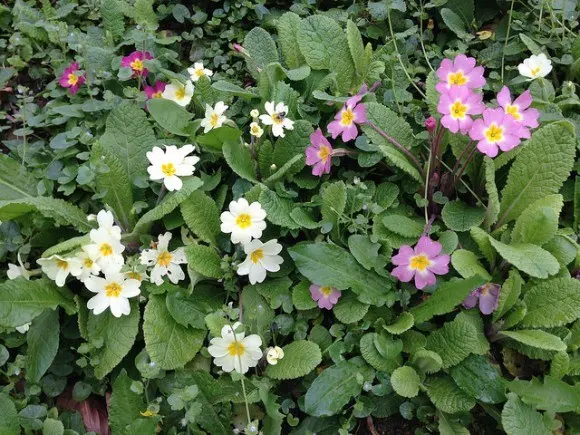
(274, 355)
(254, 113)
(273, 167)
(430, 24)
(239, 48)
(430, 124)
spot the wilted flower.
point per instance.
(243, 220)
(164, 262)
(422, 263)
(496, 130)
(319, 154)
(179, 93)
(488, 297)
(70, 79)
(58, 268)
(214, 117)
(198, 71)
(277, 117)
(260, 257)
(535, 66)
(460, 71)
(345, 121)
(171, 164)
(274, 354)
(113, 292)
(326, 296)
(456, 106)
(23, 329)
(15, 271)
(135, 62)
(155, 91)
(235, 351)
(430, 124)
(519, 110)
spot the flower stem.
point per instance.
(245, 397)
(161, 194)
(507, 37)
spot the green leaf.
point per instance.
(129, 137)
(455, 23)
(125, 405)
(62, 212)
(114, 184)
(326, 264)
(205, 260)
(191, 310)
(445, 298)
(458, 216)
(492, 209)
(536, 338)
(447, 426)
(169, 344)
(313, 35)
(531, 259)
(278, 209)
(232, 89)
(215, 139)
(357, 49)
(300, 358)
(372, 356)
(42, 339)
(240, 160)
(540, 169)
(454, 341)
(480, 379)
(333, 202)
(365, 251)
(52, 426)
(427, 361)
(403, 323)
(332, 390)
(171, 201)
(117, 336)
(113, 19)
(170, 116)
(518, 418)
(447, 396)
(467, 265)
(261, 49)
(403, 225)
(405, 381)
(538, 223)
(22, 300)
(553, 395)
(201, 215)
(555, 302)
(209, 394)
(349, 309)
(431, 93)
(481, 238)
(293, 144)
(15, 181)
(277, 292)
(559, 365)
(9, 422)
(258, 315)
(302, 298)
(509, 294)
(144, 15)
(287, 26)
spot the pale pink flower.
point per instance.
(456, 106)
(319, 153)
(488, 297)
(519, 110)
(345, 121)
(497, 130)
(326, 296)
(460, 71)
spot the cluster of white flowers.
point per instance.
(164, 262)
(182, 93)
(276, 116)
(245, 222)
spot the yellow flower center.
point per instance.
(419, 262)
(214, 119)
(180, 93)
(256, 256)
(88, 263)
(137, 65)
(73, 79)
(513, 111)
(105, 249)
(535, 71)
(277, 118)
(324, 153)
(347, 117)
(494, 133)
(458, 110)
(113, 290)
(326, 290)
(456, 78)
(62, 264)
(164, 258)
(255, 129)
(244, 220)
(134, 275)
(157, 95)
(168, 169)
(199, 72)
(236, 349)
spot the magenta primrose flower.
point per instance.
(319, 153)
(497, 130)
(422, 263)
(488, 297)
(352, 113)
(326, 296)
(155, 91)
(519, 110)
(70, 79)
(457, 105)
(135, 62)
(460, 71)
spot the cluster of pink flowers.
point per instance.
(498, 128)
(320, 152)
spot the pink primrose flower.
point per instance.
(155, 91)
(460, 71)
(135, 62)
(319, 153)
(70, 79)
(519, 110)
(326, 296)
(488, 297)
(457, 105)
(497, 130)
(345, 121)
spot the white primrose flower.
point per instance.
(235, 351)
(276, 117)
(105, 250)
(15, 271)
(164, 262)
(244, 221)
(171, 164)
(178, 92)
(89, 263)
(256, 130)
(23, 329)
(274, 354)
(254, 113)
(113, 291)
(535, 66)
(261, 257)
(198, 71)
(59, 268)
(214, 117)
(106, 221)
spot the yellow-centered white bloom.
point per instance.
(276, 117)
(113, 291)
(254, 113)
(171, 164)
(214, 117)
(14, 271)
(198, 71)
(89, 263)
(105, 250)
(178, 92)
(234, 351)
(535, 66)
(261, 257)
(59, 268)
(274, 355)
(23, 329)
(164, 262)
(244, 221)
(256, 130)
(106, 221)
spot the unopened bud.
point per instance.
(430, 24)
(273, 167)
(430, 124)
(239, 48)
